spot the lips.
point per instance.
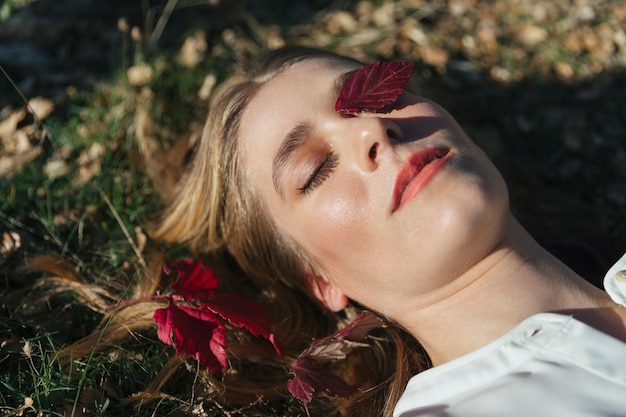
(416, 173)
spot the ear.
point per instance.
(324, 291)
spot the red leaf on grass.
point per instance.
(195, 282)
(193, 332)
(374, 87)
(309, 371)
(245, 313)
(195, 328)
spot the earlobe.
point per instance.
(324, 291)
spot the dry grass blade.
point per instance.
(162, 22)
(124, 230)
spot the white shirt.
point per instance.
(551, 365)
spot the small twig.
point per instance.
(14, 85)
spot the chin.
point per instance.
(475, 219)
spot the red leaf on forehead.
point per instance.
(374, 87)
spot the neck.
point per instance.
(515, 281)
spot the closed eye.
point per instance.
(321, 173)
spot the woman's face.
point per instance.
(392, 207)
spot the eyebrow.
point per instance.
(296, 137)
(288, 146)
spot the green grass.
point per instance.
(92, 224)
(92, 386)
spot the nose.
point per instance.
(371, 137)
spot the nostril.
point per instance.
(373, 151)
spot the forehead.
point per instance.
(312, 78)
(295, 95)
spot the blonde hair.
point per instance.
(217, 215)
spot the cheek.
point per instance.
(338, 226)
(335, 221)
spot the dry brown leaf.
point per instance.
(412, 31)
(619, 37)
(139, 75)
(8, 126)
(21, 142)
(487, 36)
(384, 16)
(23, 153)
(457, 7)
(500, 74)
(207, 87)
(41, 107)
(28, 405)
(11, 241)
(542, 11)
(7, 166)
(341, 22)
(434, 55)
(56, 168)
(273, 37)
(94, 152)
(90, 163)
(85, 172)
(573, 43)
(162, 164)
(363, 12)
(564, 71)
(193, 49)
(363, 37)
(531, 35)
(590, 39)
(142, 239)
(57, 165)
